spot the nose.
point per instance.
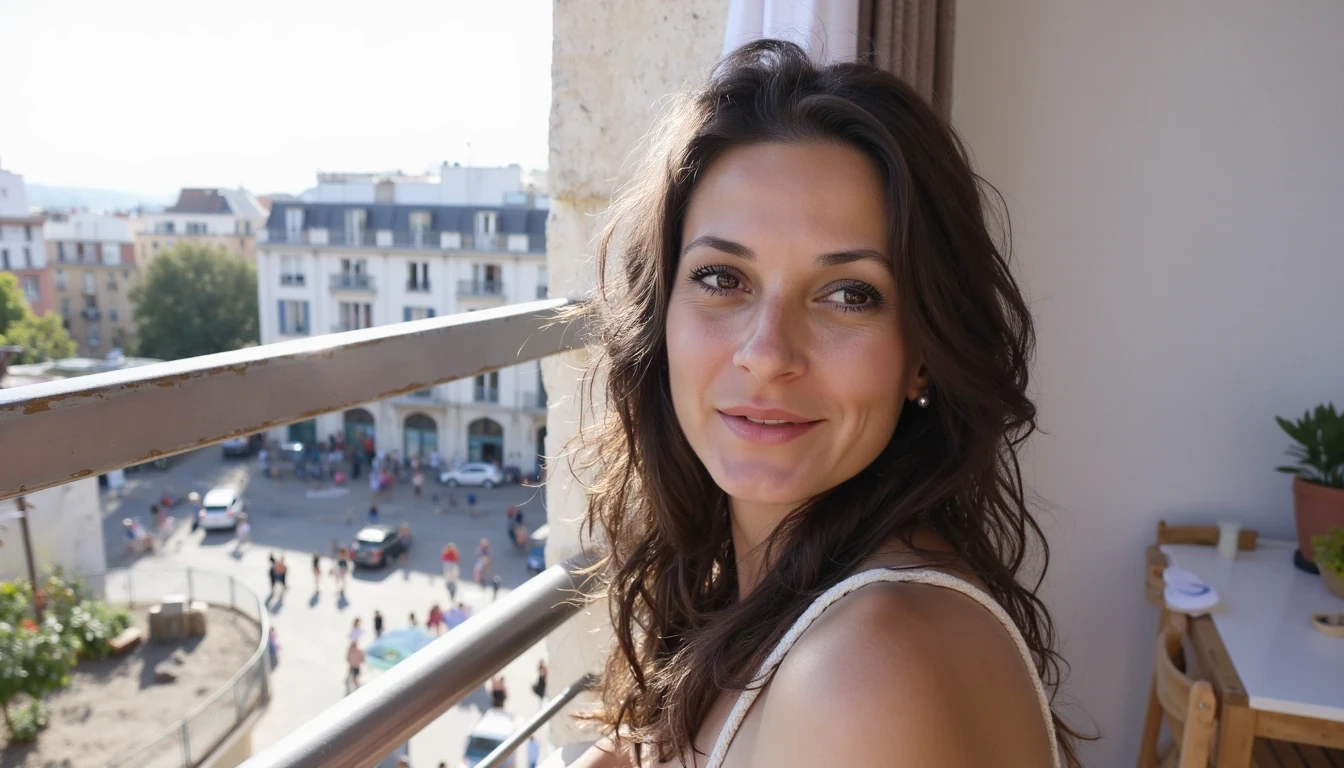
(773, 346)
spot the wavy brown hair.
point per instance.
(682, 634)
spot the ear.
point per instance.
(920, 381)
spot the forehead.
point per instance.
(816, 196)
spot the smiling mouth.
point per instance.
(763, 431)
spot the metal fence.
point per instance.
(188, 742)
(76, 428)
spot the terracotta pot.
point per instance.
(1332, 582)
(1318, 509)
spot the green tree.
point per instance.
(195, 300)
(42, 338)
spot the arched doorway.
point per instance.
(303, 432)
(485, 441)
(358, 428)
(420, 436)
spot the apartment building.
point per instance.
(229, 218)
(93, 266)
(21, 248)
(361, 250)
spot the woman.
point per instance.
(806, 482)
(452, 568)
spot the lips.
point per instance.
(766, 426)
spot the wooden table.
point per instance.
(1276, 677)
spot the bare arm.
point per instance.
(904, 676)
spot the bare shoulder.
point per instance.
(903, 674)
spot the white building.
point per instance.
(22, 250)
(226, 218)
(361, 250)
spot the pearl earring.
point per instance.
(923, 400)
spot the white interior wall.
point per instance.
(1174, 179)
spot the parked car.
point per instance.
(377, 545)
(495, 726)
(220, 510)
(242, 446)
(475, 473)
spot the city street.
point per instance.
(312, 625)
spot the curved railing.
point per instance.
(190, 740)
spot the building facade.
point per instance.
(93, 266)
(21, 247)
(225, 218)
(361, 250)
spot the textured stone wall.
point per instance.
(614, 64)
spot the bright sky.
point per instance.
(152, 95)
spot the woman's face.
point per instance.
(785, 351)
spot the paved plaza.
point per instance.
(311, 623)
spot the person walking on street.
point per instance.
(435, 622)
(244, 532)
(354, 659)
(539, 687)
(498, 693)
(471, 504)
(413, 623)
(377, 623)
(495, 584)
(452, 568)
(317, 572)
(342, 563)
(417, 482)
(280, 571)
(271, 573)
(373, 514)
(273, 646)
(356, 631)
(456, 615)
(481, 570)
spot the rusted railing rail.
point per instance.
(59, 431)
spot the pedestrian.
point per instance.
(356, 631)
(373, 514)
(435, 622)
(471, 504)
(354, 658)
(481, 569)
(495, 584)
(377, 623)
(452, 502)
(375, 483)
(342, 563)
(244, 532)
(452, 568)
(498, 693)
(404, 538)
(455, 615)
(533, 752)
(317, 572)
(413, 622)
(417, 482)
(280, 570)
(539, 687)
(271, 572)
(273, 647)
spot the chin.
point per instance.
(757, 482)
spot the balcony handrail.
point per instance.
(85, 426)
(518, 738)
(365, 726)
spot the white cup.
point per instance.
(1228, 535)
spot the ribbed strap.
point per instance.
(922, 576)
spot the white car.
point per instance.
(495, 726)
(476, 473)
(220, 510)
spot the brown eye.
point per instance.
(719, 281)
(850, 297)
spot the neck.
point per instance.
(752, 524)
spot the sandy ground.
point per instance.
(114, 706)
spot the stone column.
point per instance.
(613, 63)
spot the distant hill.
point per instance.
(44, 196)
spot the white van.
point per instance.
(220, 510)
(495, 726)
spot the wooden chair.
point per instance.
(1190, 709)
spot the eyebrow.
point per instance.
(833, 259)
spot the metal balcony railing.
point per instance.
(351, 238)
(294, 279)
(417, 286)
(85, 426)
(352, 281)
(494, 288)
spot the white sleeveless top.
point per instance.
(919, 576)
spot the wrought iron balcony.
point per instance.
(75, 428)
(491, 288)
(352, 281)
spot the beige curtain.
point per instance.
(912, 39)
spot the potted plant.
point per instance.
(1318, 482)
(1330, 559)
